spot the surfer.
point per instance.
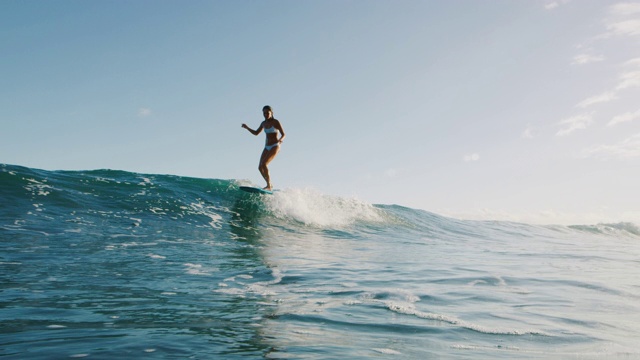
(271, 128)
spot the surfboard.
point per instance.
(255, 190)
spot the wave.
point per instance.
(128, 255)
(621, 228)
(310, 207)
(133, 199)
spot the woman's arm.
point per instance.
(254, 132)
(279, 127)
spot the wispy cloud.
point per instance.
(144, 112)
(391, 173)
(625, 27)
(626, 117)
(583, 59)
(626, 149)
(626, 80)
(471, 157)
(604, 97)
(622, 21)
(528, 132)
(629, 80)
(625, 9)
(550, 5)
(632, 62)
(574, 123)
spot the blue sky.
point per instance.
(516, 110)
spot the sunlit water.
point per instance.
(109, 264)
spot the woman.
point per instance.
(271, 127)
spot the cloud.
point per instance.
(622, 21)
(583, 59)
(471, 157)
(632, 62)
(604, 97)
(391, 173)
(625, 27)
(551, 5)
(574, 123)
(555, 4)
(625, 9)
(628, 80)
(528, 132)
(626, 117)
(144, 112)
(626, 149)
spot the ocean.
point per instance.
(107, 264)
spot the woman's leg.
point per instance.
(265, 159)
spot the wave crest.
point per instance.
(311, 207)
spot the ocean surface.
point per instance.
(110, 264)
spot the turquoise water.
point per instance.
(110, 264)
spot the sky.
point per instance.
(502, 110)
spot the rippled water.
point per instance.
(110, 264)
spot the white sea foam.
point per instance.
(56, 326)
(410, 310)
(209, 211)
(197, 269)
(479, 347)
(145, 181)
(311, 207)
(261, 288)
(476, 282)
(158, 211)
(133, 244)
(231, 291)
(387, 351)
(38, 188)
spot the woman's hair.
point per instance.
(267, 107)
